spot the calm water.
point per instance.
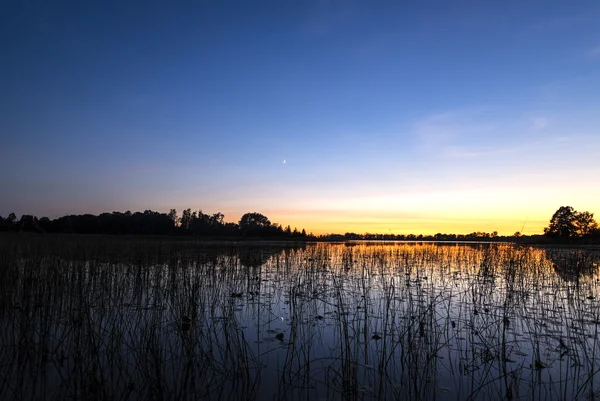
(132, 319)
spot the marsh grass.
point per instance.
(129, 318)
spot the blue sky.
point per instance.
(408, 117)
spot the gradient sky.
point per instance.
(422, 117)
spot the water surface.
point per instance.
(104, 318)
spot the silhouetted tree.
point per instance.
(231, 229)
(585, 224)
(173, 216)
(9, 223)
(186, 219)
(28, 223)
(4, 224)
(562, 223)
(254, 224)
(149, 222)
(567, 222)
(45, 224)
(216, 219)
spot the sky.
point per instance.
(333, 116)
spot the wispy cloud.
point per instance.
(594, 52)
(448, 128)
(463, 152)
(539, 123)
(480, 136)
(461, 135)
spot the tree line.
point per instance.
(149, 222)
(566, 224)
(474, 236)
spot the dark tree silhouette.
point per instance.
(173, 216)
(5, 225)
(9, 223)
(567, 223)
(585, 224)
(186, 218)
(254, 224)
(562, 223)
(191, 223)
(28, 223)
(217, 219)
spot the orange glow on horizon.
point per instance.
(526, 208)
(405, 227)
(321, 222)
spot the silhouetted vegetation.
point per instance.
(191, 223)
(568, 224)
(137, 318)
(474, 236)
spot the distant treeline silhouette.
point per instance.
(153, 223)
(475, 236)
(566, 226)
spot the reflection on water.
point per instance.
(103, 320)
(572, 264)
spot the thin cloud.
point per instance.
(479, 136)
(594, 52)
(439, 129)
(466, 152)
(452, 129)
(539, 123)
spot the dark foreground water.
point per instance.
(134, 319)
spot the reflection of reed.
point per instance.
(104, 319)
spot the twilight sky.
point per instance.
(335, 116)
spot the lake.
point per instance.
(147, 318)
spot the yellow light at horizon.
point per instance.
(342, 224)
(431, 213)
(506, 207)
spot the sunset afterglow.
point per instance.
(330, 116)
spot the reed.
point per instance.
(131, 318)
